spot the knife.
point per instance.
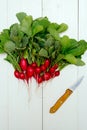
(64, 97)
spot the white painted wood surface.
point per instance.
(20, 110)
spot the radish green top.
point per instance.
(39, 39)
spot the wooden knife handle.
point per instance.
(60, 101)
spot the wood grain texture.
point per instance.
(82, 91)
(67, 116)
(20, 110)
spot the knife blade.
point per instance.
(65, 96)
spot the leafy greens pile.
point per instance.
(39, 39)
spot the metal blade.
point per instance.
(74, 86)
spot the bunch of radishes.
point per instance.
(41, 73)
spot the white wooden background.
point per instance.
(20, 110)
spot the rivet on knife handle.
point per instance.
(60, 101)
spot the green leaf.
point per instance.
(40, 42)
(62, 65)
(65, 42)
(24, 41)
(49, 42)
(25, 55)
(9, 46)
(5, 34)
(59, 57)
(57, 44)
(36, 28)
(40, 39)
(54, 54)
(54, 25)
(43, 21)
(4, 37)
(51, 49)
(20, 16)
(63, 27)
(80, 62)
(73, 60)
(80, 49)
(26, 25)
(1, 50)
(33, 51)
(38, 61)
(29, 60)
(73, 44)
(11, 59)
(16, 34)
(53, 32)
(43, 53)
(70, 58)
(36, 46)
(57, 47)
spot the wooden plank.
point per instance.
(3, 14)
(82, 104)
(3, 73)
(24, 113)
(66, 117)
(27, 6)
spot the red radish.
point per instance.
(55, 66)
(23, 64)
(35, 75)
(47, 76)
(57, 73)
(30, 71)
(26, 78)
(16, 73)
(43, 67)
(34, 64)
(21, 75)
(52, 70)
(52, 75)
(40, 79)
(37, 70)
(47, 63)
